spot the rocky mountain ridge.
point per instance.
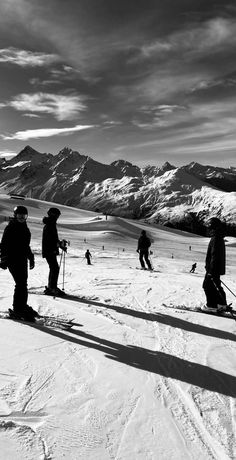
(184, 196)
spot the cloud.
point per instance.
(212, 35)
(45, 132)
(57, 76)
(7, 153)
(62, 107)
(24, 58)
(151, 117)
(31, 115)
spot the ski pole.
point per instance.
(228, 289)
(60, 261)
(63, 273)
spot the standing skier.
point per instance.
(15, 254)
(215, 267)
(144, 244)
(50, 250)
(88, 256)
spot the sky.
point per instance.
(146, 81)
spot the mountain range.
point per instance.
(183, 197)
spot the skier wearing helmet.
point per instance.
(50, 250)
(15, 254)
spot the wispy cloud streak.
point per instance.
(25, 58)
(45, 132)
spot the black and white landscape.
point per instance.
(122, 114)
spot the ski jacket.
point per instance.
(50, 240)
(143, 243)
(215, 257)
(15, 244)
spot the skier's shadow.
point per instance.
(157, 362)
(161, 318)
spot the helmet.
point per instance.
(20, 210)
(214, 223)
(54, 212)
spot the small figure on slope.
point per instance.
(15, 254)
(50, 250)
(193, 268)
(144, 244)
(215, 267)
(88, 257)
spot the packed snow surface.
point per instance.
(136, 378)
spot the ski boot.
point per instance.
(23, 314)
(32, 312)
(207, 309)
(56, 292)
(49, 291)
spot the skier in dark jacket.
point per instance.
(144, 244)
(193, 268)
(215, 267)
(88, 257)
(50, 250)
(15, 254)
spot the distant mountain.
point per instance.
(183, 197)
(222, 178)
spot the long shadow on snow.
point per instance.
(154, 361)
(160, 318)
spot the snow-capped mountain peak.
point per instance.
(160, 194)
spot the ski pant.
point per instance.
(143, 254)
(88, 260)
(19, 272)
(215, 294)
(53, 271)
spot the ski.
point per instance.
(41, 321)
(153, 270)
(64, 296)
(229, 313)
(48, 294)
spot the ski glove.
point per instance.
(63, 245)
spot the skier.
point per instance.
(50, 250)
(215, 267)
(193, 268)
(15, 254)
(88, 256)
(144, 244)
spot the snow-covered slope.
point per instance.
(164, 195)
(133, 379)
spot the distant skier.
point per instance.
(15, 254)
(193, 268)
(88, 257)
(144, 244)
(215, 267)
(50, 250)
